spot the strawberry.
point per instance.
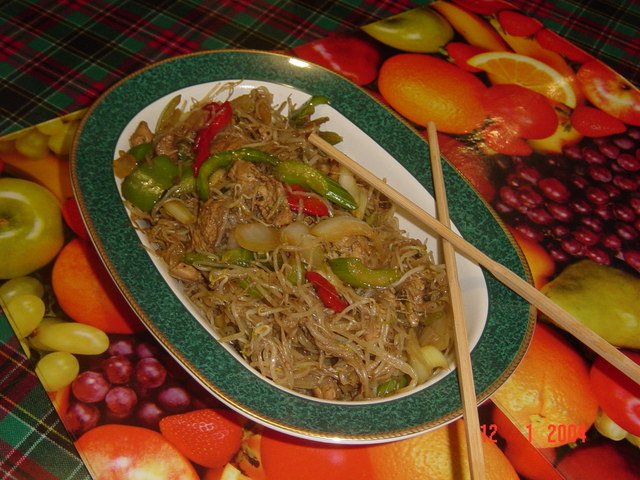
(483, 7)
(209, 437)
(460, 52)
(517, 24)
(593, 122)
(555, 43)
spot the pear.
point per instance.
(419, 30)
(604, 298)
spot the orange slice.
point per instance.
(507, 67)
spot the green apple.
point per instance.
(420, 30)
(31, 230)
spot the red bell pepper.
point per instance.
(327, 292)
(310, 205)
(220, 116)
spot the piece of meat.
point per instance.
(209, 226)
(142, 134)
(167, 143)
(268, 197)
(186, 272)
(354, 246)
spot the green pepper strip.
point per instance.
(147, 183)
(309, 178)
(291, 172)
(224, 160)
(392, 385)
(355, 273)
(234, 256)
(140, 151)
(299, 115)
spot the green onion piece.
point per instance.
(355, 273)
(301, 115)
(392, 385)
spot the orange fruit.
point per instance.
(208, 437)
(424, 88)
(123, 451)
(528, 72)
(440, 454)
(49, 171)
(86, 292)
(549, 390)
(530, 462)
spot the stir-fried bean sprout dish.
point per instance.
(299, 266)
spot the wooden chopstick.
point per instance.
(461, 343)
(561, 317)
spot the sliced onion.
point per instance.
(294, 233)
(335, 228)
(348, 182)
(179, 211)
(257, 237)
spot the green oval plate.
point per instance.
(500, 322)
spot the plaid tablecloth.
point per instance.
(57, 56)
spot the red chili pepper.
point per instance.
(327, 292)
(219, 118)
(310, 205)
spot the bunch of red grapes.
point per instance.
(583, 203)
(134, 382)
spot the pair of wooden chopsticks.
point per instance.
(452, 241)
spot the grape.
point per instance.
(586, 237)
(118, 369)
(528, 173)
(580, 203)
(598, 256)
(596, 195)
(72, 337)
(19, 286)
(593, 156)
(121, 346)
(600, 173)
(612, 241)
(529, 197)
(623, 212)
(554, 189)
(572, 246)
(81, 417)
(540, 216)
(120, 401)
(609, 150)
(629, 162)
(146, 349)
(25, 311)
(592, 222)
(632, 257)
(149, 414)
(150, 373)
(90, 387)
(174, 399)
(529, 231)
(560, 212)
(56, 370)
(623, 142)
(625, 183)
